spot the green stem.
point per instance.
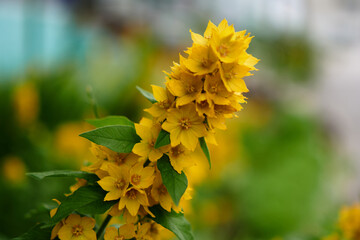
(92, 100)
(100, 231)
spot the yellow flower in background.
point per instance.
(349, 221)
(164, 100)
(141, 177)
(77, 227)
(67, 141)
(115, 184)
(160, 194)
(14, 169)
(132, 200)
(146, 148)
(126, 231)
(180, 158)
(187, 88)
(26, 104)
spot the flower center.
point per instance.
(152, 143)
(223, 50)
(162, 190)
(164, 104)
(120, 183)
(77, 230)
(135, 179)
(131, 194)
(176, 151)
(185, 123)
(191, 89)
(213, 89)
(205, 62)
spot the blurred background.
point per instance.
(281, 170)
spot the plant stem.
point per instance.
(100, 231)
(91, 97)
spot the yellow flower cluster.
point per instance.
(202, 91)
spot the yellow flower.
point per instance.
(160, 194)
(221, 113)
(80, 183)
(232, 75)
(126, 231)
(76, 227)
(216, 90)
(227, 45)
(164, 101)
(117, 183)
(141, 177)
(180, 158)
(185, 126)
(349, 221)
(202, 60)
(187, 88)
(132, 200)
(146, 148)
(149, 231)
(204, 106)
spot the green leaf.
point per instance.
(118, 138)
(163, 139)
(91, 177)
(205, 149)
(175, 222)
(85, 200)
(37, 232)
(147, 94)
(110, 120)
(174, 182)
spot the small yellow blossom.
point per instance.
(164, 100)
(149, 231)
(77, 228)
(56, 228)
(185, 126)
(26, 104)
(204, 106)
(202, 60)
(146, 148)
(187, 88)
(180, 158)
(216, 90)
(126, 231)
(116, 183)
(160, 194)
(132, 200)
(141, 177)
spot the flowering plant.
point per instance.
(139, 172)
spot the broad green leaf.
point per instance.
(37, 232)
(118, 138)
(205, 149)
(175, 222)
(163, 139)
(110, 120)
(91, 177)
(85, 200)
(147, 94)
(174, 182)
